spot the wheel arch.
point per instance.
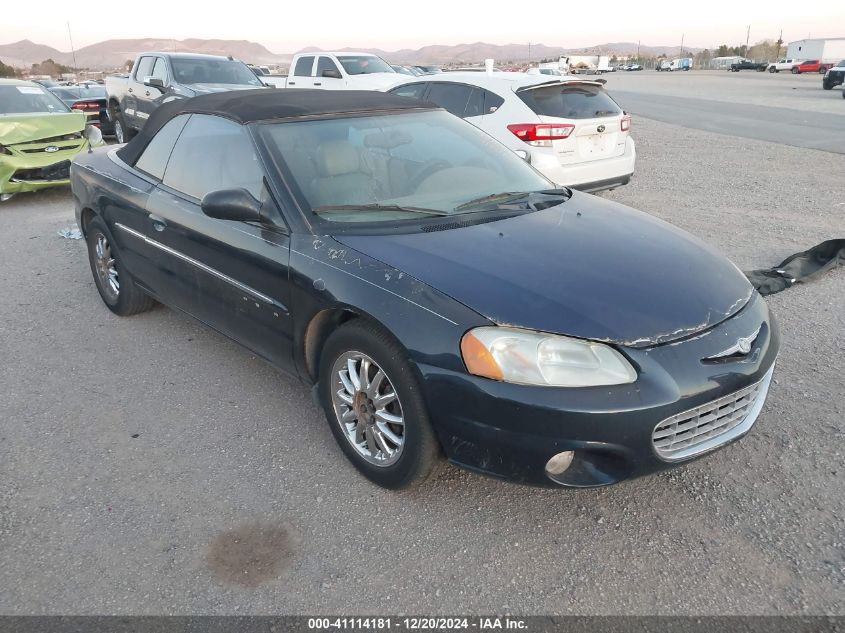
(321, 326)
(85, 217)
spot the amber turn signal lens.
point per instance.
(478, 359)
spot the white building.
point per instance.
(826, 50)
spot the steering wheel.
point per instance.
(425, 170)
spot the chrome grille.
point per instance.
(712, 424)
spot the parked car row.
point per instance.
(797, 67)
(571, 131)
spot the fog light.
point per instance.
(559, 463)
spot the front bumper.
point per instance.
(590, 176)
(511, 431)
(833, 79)
(30, 172)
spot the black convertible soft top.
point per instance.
(247, 106)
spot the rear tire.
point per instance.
(353, 409)
(772, 69)
(827, 86)
(122, 132)
(795, 71)
(114, 283)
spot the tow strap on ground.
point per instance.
(799, 268)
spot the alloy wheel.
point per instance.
(105, 267)
(118, 131)
(367, 408)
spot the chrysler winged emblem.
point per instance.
(742, 346)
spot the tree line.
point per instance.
(47, 67)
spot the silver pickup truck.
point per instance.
(157, 78)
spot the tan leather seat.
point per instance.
(341, 178)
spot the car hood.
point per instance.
(28, 128)
(588, 268)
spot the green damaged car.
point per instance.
(39, 136)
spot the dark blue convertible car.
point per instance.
(441, 297)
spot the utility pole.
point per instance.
(681, 54)
(529, 53)
(780, 42)
(747, 39)
(638, 51)
(72, 50)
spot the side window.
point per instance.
(145, 68)
(325, 63)
(414, 91)
(492, 102)
(213, 153)
(475, 105)
(160, 69)
(154, 159)
(451, 97)
(303, 66)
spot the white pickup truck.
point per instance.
(338, 71)
(782, 64)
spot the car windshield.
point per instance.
(363, 64)
(841, 64)
(213, 71)
(570, 101)
(397, 167)
(29, 99)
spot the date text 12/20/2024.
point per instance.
(491, 623)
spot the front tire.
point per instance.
(772, 69)
(795, 71)
(374, 404)
(116, 287)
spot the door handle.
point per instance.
(159, 223)
(130, 89)
(317, 83)
(291, 83)
(147, 92)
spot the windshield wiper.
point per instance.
(510, 196)
(380, 207)
(505, 196)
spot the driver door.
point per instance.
(231, 275)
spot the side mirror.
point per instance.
(238, 205)
(154, 82)
(332, 74)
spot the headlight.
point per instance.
(533, 358)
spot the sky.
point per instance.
(286, 27)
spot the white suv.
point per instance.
(568, 128)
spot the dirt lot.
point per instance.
(138, 455)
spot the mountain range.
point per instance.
(111, 54)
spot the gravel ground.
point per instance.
(143, 460)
